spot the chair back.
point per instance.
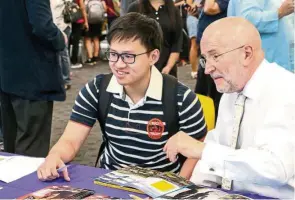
(208, 110)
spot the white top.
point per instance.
(57, 7)
(264, 160)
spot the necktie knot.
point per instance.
(240, 101)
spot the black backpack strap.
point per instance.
(170, 107)
(104, 101)
(169, 101)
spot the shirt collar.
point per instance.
(255, 85)
(154, 90)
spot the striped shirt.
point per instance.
(126, 124)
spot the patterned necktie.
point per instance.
(239, 111)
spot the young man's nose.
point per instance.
(120, 63)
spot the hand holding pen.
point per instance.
(52, 168)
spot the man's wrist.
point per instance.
(198, 150)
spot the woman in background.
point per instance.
(113, 10)
(77, 30)
(169, 19)
(91, 40)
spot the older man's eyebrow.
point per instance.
(209, 53)
(212, 51)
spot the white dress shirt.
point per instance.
(263, 162)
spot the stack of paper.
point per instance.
(16, 167)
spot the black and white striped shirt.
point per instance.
(126, 123)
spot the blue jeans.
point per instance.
(192, 26)
(65, 62)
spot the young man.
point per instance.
(136, 87)
(252, 147)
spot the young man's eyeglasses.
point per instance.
(127, 58)
(203, 60)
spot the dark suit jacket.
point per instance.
(29, 47)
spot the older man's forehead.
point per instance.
(210, 45)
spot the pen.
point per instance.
(62, 168)
(134, 197)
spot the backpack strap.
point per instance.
(170, 108)
(104, 101)
(169, 100)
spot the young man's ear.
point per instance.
(154, 56)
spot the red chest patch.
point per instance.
(155, 128)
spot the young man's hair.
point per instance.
(134, 26)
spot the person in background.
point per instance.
(272, 19)
(91, 40)
(124, 5)
(192, 27)
(137, 89)
(57, 7)
(252, 147)
(169, 19)
(212, 10)
(29, 52)
(77, 30)
(113, 10)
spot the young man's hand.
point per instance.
(49, 169)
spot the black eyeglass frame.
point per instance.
(121, 55)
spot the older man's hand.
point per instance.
(185, 145)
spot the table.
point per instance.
(81, 176)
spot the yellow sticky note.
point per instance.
(163, 186)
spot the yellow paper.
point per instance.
(163, 186)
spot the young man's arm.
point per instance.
(70, 142)
(188, 168)
(63, 151)
(193, 123)
(82, 119)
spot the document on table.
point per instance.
(16, 167)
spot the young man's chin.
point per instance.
(124, 82)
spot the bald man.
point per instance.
(252, 147)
